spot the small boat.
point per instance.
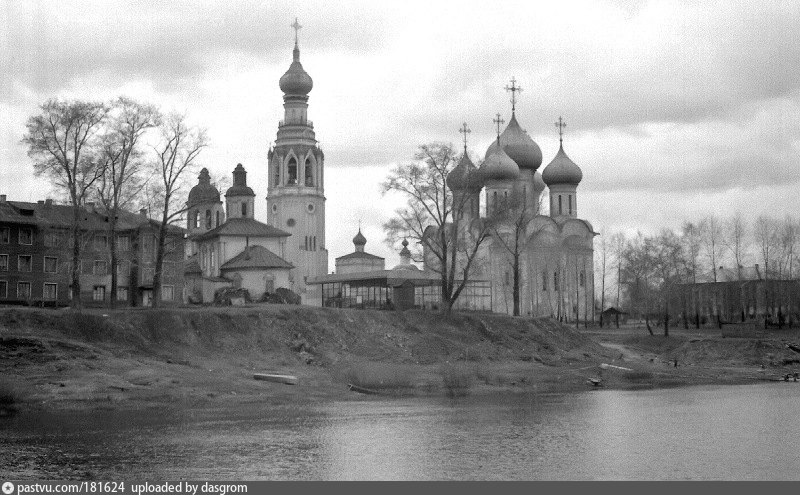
(270, 377)
(597, 382)
(794, 347)
(606, 366)
(361, 390)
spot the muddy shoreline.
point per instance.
(206, 358)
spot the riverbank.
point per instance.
(206, 357)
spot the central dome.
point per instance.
(296, 80)
(519, 146)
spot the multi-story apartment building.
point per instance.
(36, 256)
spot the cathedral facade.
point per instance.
(555, 250)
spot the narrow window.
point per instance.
(559, 207)
(494, 206)
(570, 204)
(5, 235)
(292, 179)
(555, 281)
(99, 293)
(218, 216)
(3, 288)
(309, 174)
(277, 176)
(208, 219)
(3, 262)
(582, 280)
(244, 209)
(314, 248)
(544, 281)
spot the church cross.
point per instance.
(296, 27)
(499, 122)
(561, 125)
(514, 90)
(465, 130)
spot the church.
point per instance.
(228, 247)
(555, 250)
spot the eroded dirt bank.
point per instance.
(207, 357)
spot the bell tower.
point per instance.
(296, 193)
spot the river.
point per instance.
(708, 432)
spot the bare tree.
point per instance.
(603, 253)
(175, 155)
(618, 243)
(692, 245)
(122, 159)
(433, 216)
(711, 238)
(639, 268)
(765, 232)
(62, 141)
(735, 238)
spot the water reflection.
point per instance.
(746, 432)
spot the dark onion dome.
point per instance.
(499, 166)
(562, 170)
(519, 146)
(538, 183)
(405, 259)
(465, 175)
(203, 192)
(359, 239)
(296, 81)
(239, 187)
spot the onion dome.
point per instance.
(239, 187)
(519, 146)
(405, 259)
(359, 239)
(465, 175)
(538, 183)
(562, 170)
(499, 166)
(203, 192)
(296, 80)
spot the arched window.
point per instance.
(244, 209)
(494, 204)
(217, 224)
(292, 179)
(582, 280)
(277, 175)
(570, 204)
(309, 173)
(559, 205)
(196, 219)
(208, 219)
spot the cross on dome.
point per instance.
(561, 125)
(296, 25)
(499, 121)
(514, 90)
(465, 130)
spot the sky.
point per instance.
(675, 109)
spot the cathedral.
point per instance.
(229, 247)
(555, 252)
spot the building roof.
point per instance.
(358, 255)
(562, 170)
(393, 278)
(731, 275)
(296, 80)
(204, 191)
(499, 166)
(244, 227)
(256, 257)
(239, 187)
(518, 145)
(465, 175)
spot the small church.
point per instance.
(228, 247)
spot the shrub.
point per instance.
(281, 295)
(457, 380)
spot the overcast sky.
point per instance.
(674, 110)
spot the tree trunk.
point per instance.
(76, 302)
(160, 247)
(112, 244)
(515, 289)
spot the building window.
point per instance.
(100, 267)
(50, 264)
(25, 263)
(208, 219)
(314, 243)
(310, 208)
(147, 275)
(544, 281)
(23, 290)
(196, 218)
(167, 292)
(123, 243)
(569, 199)
(53, 239)
(309, 174)
(555, 281)
(26, 236)
(5, 235)
(100, 242)
(3, 288)
(50, 292)
(122, 293)
(99, 293)
(123, 268)
(292, 168)
(559, 207)
(244, 209)
(217, 219)
(582, 279)
(3, 262)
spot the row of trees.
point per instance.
(120, 153)
(640, 272)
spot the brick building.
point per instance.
(36, 256)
